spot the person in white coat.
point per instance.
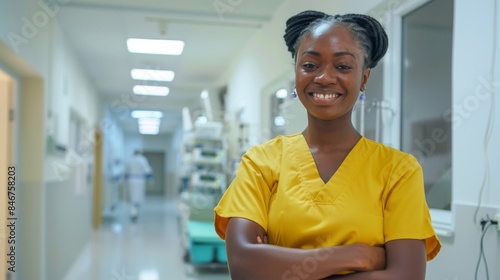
(138, 173)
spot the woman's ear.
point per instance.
(364, 79)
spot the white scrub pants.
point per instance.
(136, 188)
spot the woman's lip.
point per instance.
(325, 95)
(325, 99)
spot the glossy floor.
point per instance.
(148, 249)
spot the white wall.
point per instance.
(174, 166)
(31, 44)
(69, 197)
(472, 59)
(474, 24)
(30, 260)
(113, 160)
(56, 221)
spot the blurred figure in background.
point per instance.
(137, 174)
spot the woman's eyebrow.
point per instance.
(337, 54)
(311, 52)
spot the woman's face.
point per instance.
(330, 72)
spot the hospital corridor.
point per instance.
(128, 250)
(244, 139)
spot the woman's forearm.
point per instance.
(377, 275)
(262, 261)
(249, 258)
(369, 275)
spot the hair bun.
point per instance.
(374, 32)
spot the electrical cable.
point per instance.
(482, 255)
(491, 120)
(487, 137)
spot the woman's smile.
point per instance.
(321, 98)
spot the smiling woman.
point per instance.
(329, 72)
(328, 202)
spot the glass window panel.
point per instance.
(426, 96)
(372, 121)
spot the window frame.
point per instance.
(391, 13)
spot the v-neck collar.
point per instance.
(309, 173)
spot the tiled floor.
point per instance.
(149, 249)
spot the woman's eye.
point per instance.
(308, 66)
(344, 67)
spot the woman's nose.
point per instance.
(326, 76)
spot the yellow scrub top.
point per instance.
(375, 196)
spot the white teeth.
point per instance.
(325, 96)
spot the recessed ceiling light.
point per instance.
(149, 121)
(152, 75)
(149, 127)
(137, 114)
(151, 90)
(149, 130)
(151, 46)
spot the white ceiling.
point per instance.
(214, 32)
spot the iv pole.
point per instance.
(362, 98)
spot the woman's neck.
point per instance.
(331, 135)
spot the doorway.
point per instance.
(157, 162)
(7, 166)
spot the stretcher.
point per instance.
(205, 246)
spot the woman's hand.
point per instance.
(262, 239)
(370, 257)
(405, 259)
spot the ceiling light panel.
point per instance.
(149, 121)
(151, 90)
(149, 128)
(151, 46)
(138, 114)
(149, 132)
(152, 75)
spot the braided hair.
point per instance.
(367, 30)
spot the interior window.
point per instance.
(370, 118)
(426, 96)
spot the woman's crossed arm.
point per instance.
(250, 259)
